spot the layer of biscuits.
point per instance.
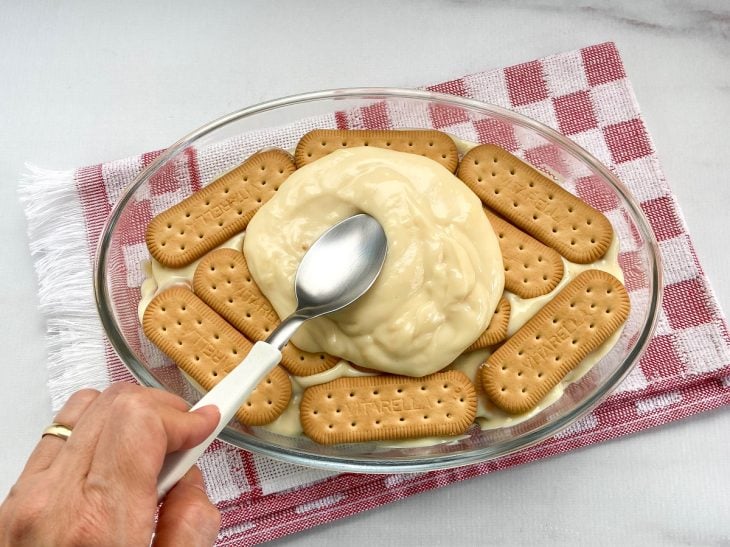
(546, 252)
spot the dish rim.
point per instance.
(374, 464)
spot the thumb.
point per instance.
(187, 516)
(193, 429)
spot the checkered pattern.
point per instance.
(583, 94)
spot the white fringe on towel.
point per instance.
(63, 264)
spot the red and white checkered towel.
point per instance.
(585, 95)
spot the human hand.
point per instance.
(99, 487)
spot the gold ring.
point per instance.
(57, 430)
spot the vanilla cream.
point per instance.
(442, 277)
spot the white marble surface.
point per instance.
(86, 82)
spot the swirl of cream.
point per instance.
(441, 280)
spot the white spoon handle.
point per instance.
(228, 395)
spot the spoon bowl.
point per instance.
(336, 270)
(354, 251)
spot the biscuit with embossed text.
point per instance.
(224, 282)
(552, 343)
(388, 407)
(206, 347)
(535, 204)
(186, 231)
(435, 145)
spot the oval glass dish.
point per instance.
(204, 155)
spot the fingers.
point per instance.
(107, 470)
(131, 448)
(81, 447)
(49, 446)
(187, 516)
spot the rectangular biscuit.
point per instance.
(205, 347)
(433, 144)
(186, 231)
(223, 281)
(535, 204)
(530, 268)
(388, 407)
(539, 355)
(497, 328)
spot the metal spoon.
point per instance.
(337, 269)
